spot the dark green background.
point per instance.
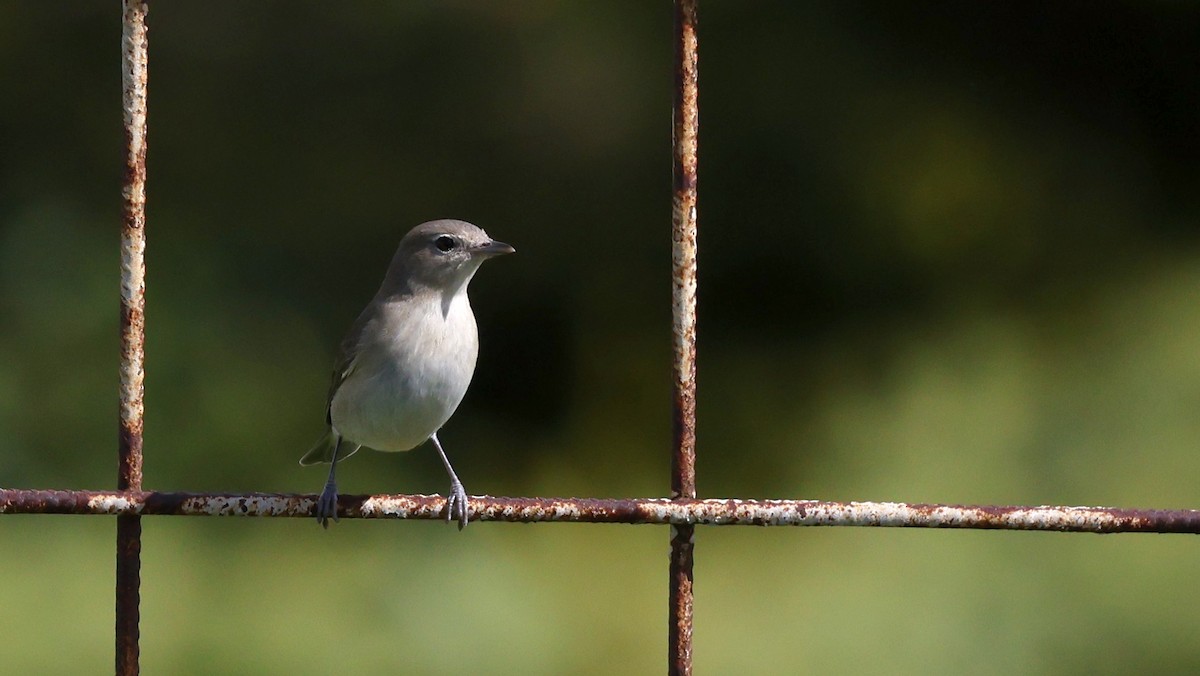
(949, 252)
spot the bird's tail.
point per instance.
(322, 451)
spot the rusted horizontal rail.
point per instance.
(634, 511)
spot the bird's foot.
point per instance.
(456, 503)
(327, 504)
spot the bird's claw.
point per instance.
(327, 505)
(456, 504)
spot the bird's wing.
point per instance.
(347, 359)
(343, 368)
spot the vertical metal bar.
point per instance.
(683, 256)
(133, 305)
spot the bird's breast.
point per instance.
(406, 383)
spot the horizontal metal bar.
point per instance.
(634, 511)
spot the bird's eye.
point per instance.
(444, 243)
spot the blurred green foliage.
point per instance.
(949, 252)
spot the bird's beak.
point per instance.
(493, 248)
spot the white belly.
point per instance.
(405, 386)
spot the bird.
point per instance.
(408, 358)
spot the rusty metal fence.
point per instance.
(683, 511)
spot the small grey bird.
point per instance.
(409, 357)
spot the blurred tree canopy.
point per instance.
(949, 252)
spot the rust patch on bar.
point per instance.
(129, 568)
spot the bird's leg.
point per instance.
(327, 503)
(456, 501)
